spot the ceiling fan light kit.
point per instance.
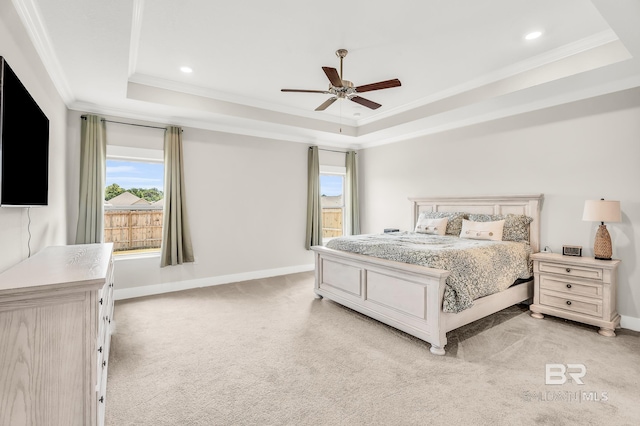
(345, 89)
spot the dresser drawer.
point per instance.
(578, 304)
(571, 271)
(105, 312)
(103, 359)
(571, 287)
(103, 309)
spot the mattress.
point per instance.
(477, 268)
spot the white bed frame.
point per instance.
(409, 297)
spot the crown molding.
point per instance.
(496, 113)
(562, 52)
(136, 30)
(221, 124)
(32, 21)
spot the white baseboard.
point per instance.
(149, 290)
(630, 323)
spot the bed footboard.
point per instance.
(407, 297)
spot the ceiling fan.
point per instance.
(344, 89)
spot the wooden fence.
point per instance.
(331, 223)
(130, 229)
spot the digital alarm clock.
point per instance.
(572, 250)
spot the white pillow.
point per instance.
(431, 226)
(482, 230)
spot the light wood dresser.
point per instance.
(580, 289)
(56, 309)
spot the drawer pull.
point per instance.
(100, 301)
(100, 349)
(568, 270)
(105, 362)
(568, 285)
(101, 399)
(568, 302)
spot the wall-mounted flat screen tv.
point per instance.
(24, 145)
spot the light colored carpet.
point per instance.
(266, 352)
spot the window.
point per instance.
(332, 181)
(134, 200)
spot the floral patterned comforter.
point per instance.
(477, 267)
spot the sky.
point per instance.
(135, 174)
(331, 185)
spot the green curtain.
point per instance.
(351, 195)
(176, 236)
(314, 208)
(93, 162)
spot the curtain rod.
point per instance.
(84, 117)
(331, 150)
(131, 124)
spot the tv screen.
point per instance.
(24, 145)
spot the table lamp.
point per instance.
(602, 211)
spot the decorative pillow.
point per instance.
(516, 226)
(482, 230)
(431, 226)
(454, 220)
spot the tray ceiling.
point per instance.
(460, 62)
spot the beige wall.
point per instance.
(570, 153)
(24, 231)
(246, 199)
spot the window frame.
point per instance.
(143, 155)
(340, 171)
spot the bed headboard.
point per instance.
(491, 204)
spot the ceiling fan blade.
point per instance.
(365, 102)
(304, 91)
(326, 104)
(377, 86)
(333, 76)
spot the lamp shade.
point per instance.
(602, 211)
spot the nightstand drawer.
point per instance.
(574, 304)
(571, 287)
(571, 271)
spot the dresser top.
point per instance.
(73, 266)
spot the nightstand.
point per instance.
(580, 289)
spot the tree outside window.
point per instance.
(133, 206)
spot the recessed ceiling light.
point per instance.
(533, 35)
(186, 69)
